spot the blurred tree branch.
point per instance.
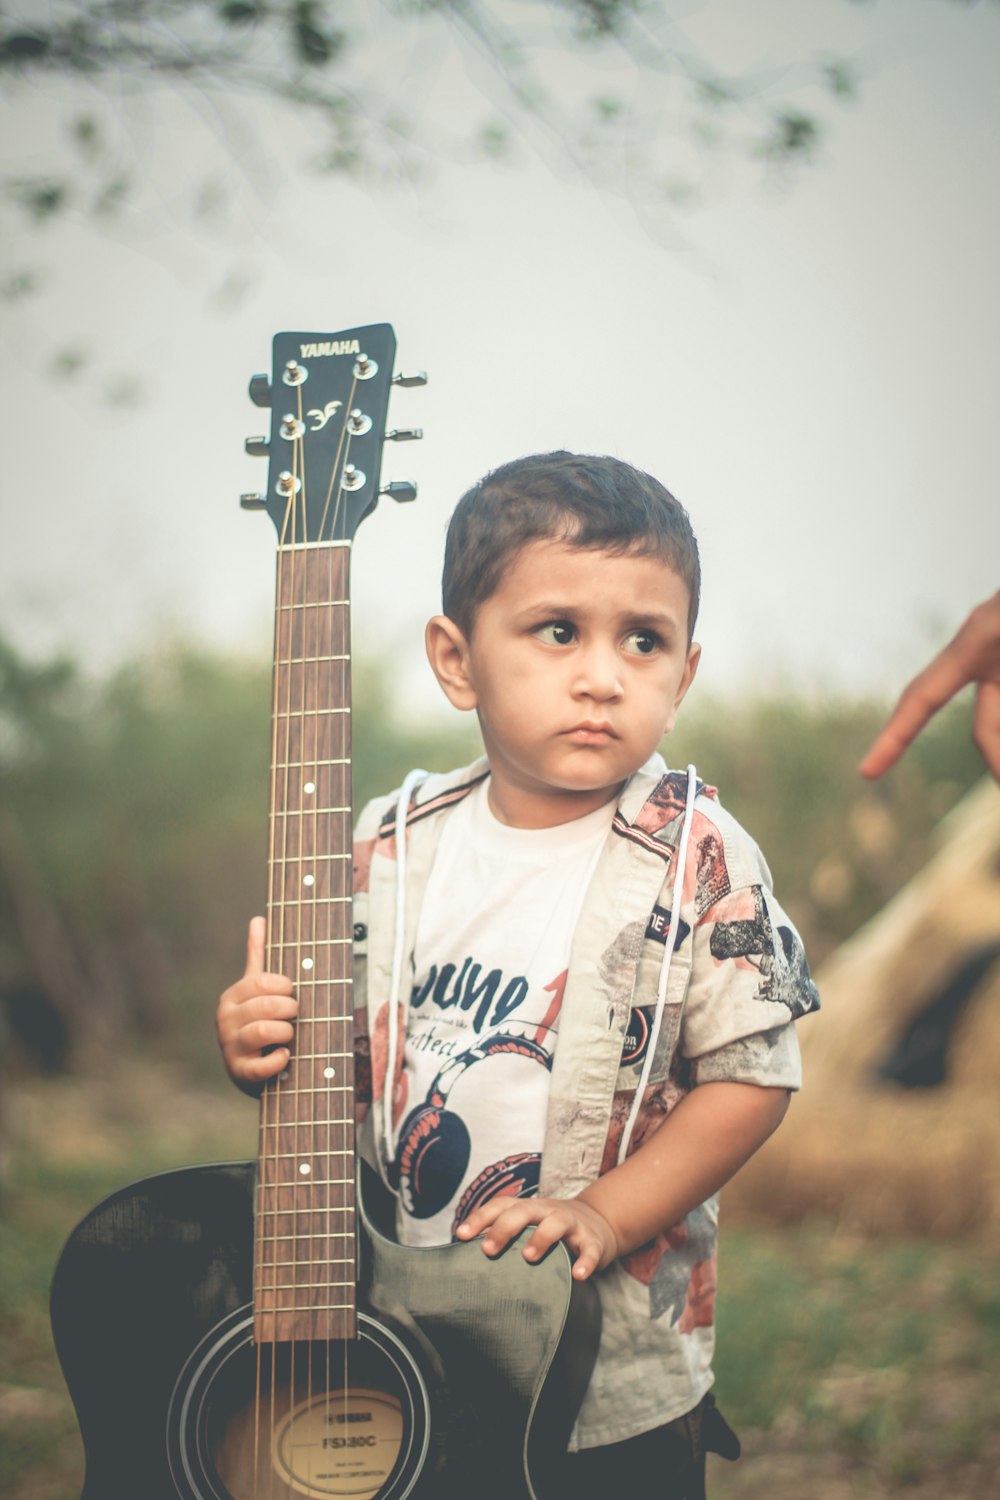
(610, 88)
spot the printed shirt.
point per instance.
(738, 979)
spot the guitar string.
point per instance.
(318, 645)
(267, 1193)
(290, 591)
(339, 507)
(303, 623)
(347, 730)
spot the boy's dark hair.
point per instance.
(584, 499)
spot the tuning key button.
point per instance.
(257, 447)
(294, 373)
(400, 489)
(420, 378)
(404, 435)
(260, 390)
(253, 502)
(291, 428)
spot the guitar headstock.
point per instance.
(329, 395)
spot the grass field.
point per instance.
(851, 1367)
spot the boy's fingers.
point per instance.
(256, 938)
(256, 1067)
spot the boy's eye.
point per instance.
(641, 642)
(556, 632)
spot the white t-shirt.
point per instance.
(491, 954)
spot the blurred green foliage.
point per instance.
(132, 836)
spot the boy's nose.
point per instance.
(599, 676)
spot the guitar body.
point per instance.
(464, 1379)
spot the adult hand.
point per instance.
(972, 656)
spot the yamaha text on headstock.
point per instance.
(245, 1331)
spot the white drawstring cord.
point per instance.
(413, 780)
(671, 939)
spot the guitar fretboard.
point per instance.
(304, 1270)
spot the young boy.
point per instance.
(562, 1052)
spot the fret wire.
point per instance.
(305, 812)
(323, 1260)
(298, 859)
(301, 765)
(316, 604)
(315, 1234)
(304, 1182)
(306, 942)
(278, 1309)
(309, 661)
(300, 1155)
(285, 548)
(324, 1209)
(306, 1286)
(307, 713)
(304, 984)
(312, 902)
(319, 1088)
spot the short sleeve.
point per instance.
(749, 982)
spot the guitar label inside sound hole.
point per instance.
(341, 1444)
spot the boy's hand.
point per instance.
(586, 1232)
(254, 1013)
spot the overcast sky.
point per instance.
(814, 371)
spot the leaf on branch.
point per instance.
(112, 195)
(24, 46)
(86, 134)
(597, 19)
(41, 198)
(607, 108)
(67, 363)
(841, 78)
(240, 12)
(793, 134)
(18, 284)
(494, 140)
(314, 44)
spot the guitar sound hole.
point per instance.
(322, 1421)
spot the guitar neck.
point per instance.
(304, 1268)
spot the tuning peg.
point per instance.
(400, 489)
(257, 447)
(419, 379)
(260, 390)
(253, 502)
(404, 434)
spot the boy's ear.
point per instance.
(448, 654)
(690, 668)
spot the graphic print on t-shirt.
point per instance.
(432, 1154)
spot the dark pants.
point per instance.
(665, 1464)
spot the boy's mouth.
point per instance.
(592, 730)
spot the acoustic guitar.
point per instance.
(251, 1331)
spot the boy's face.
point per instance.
(576, 666)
